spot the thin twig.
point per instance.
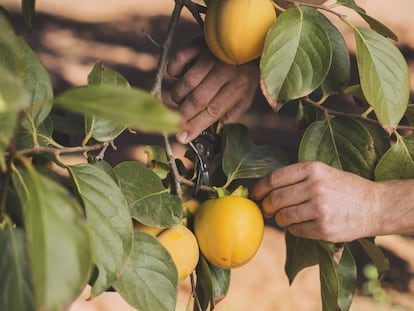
(352, 115)
(165, 48)
(58, 151)
(317, 6)
(193, 290)
(174, 168)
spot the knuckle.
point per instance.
(273, 178)
(315, 168)
(214, 111)
(196, 100)
(319, 190)
(188, 83)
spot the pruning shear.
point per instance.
(206, 147)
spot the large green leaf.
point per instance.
(37, 82)
(330, 286)
(204, 285)
(297, 55)
(243, 159)
(58, 240)
(372, 22)
(126, 107)
(398, 161)
(108, 216)
(339, 73)
(149, 202)
(384, 76)
(98, 128)
(15, 286)
(150, 279)
(346, 270)
(300, 253)
(13, 95)
(341, 142)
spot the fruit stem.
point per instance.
(221, 192)
(241, 191)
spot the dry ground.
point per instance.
(69, 36)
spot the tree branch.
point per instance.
(352, 115)
(58, 151)
(317, 6)
(165, 48)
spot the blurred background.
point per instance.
(70, 36)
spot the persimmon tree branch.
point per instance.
(362, 116)
(318, 6)
(156, 91)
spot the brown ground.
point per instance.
(69, 36)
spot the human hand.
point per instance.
(208, 89)
(316, 201)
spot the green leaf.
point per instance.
(150, 279)
(157, 160)
(409, 114)
(347, 277)
(297, 55)
(384, 76)
(108, 217)
(42, 134)
(212, 284)
(101, 75)
(329, 280)
(28, 7)
(37, 82)
(15, 286)
(106, 167)
(149, 202)
(99, 128)
(339, 73)
(372, 22)
(341, 142)
(221, 282)
(7, 125)
(398, 161)
(377, 256)
(380, 138)
(243, 159)
(204, 285)
(28, 72)
(58, 240)
(126, 107)
(301, 253)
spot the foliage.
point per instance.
(61, 232)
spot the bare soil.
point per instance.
(70, 36)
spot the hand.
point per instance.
(316, 201)
(208, 89)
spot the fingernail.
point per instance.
(182, 137)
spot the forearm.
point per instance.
(396, 207)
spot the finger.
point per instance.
(282, 177)
(213, 112)
(180, 60)
(214, 86)
(304, 230)
(191, 79)
(284, 197)
(295, 214)
(237, 111)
